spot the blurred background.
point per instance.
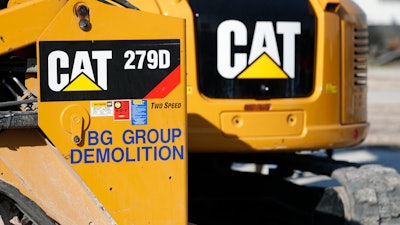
(383, 18)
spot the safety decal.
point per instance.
(102, 70)
(101, 108)
(122, 110)
(139, 112)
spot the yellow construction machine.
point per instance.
(105, 103)
(270, 79)
(93, 109)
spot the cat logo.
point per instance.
(263, 61)
(82, 76)
(104, 70)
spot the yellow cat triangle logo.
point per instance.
(263, 68)
(82, 83)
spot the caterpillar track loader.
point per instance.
(104, 103)
(82, 140)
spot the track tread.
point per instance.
(373, 192)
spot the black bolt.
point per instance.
(82, 11)
(77, 139)
(85, 25)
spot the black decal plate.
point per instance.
(100, 70)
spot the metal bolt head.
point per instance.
(82, 11)
(77, 139)
(85, 25)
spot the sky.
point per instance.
(381, 12)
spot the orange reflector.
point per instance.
(355, 134)
(257, 107)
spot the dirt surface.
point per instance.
(384, 105)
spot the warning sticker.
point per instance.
(139, 112)
(122, 110)
(101, 108)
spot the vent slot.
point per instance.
(360, 55)
(332, 7)
(355, 51)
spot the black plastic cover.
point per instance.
(255, 49)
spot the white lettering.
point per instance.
(164, 58)
(57, 59)
(102, 57)
(264, 41)
(288, 30)
(225, 66)
(150, 59)
(82, 64)
(232, 33)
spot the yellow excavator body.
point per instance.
(332, 114)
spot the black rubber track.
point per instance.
(372, 194)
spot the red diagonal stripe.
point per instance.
(167, 85)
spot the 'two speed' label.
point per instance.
(99, 70)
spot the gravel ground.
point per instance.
(384, 105)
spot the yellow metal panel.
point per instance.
(23, 23)
(146, 6)
(261, 124)
(322, 109)
(137, 169)
(32, 165)
(354, 64)
(325, 3)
